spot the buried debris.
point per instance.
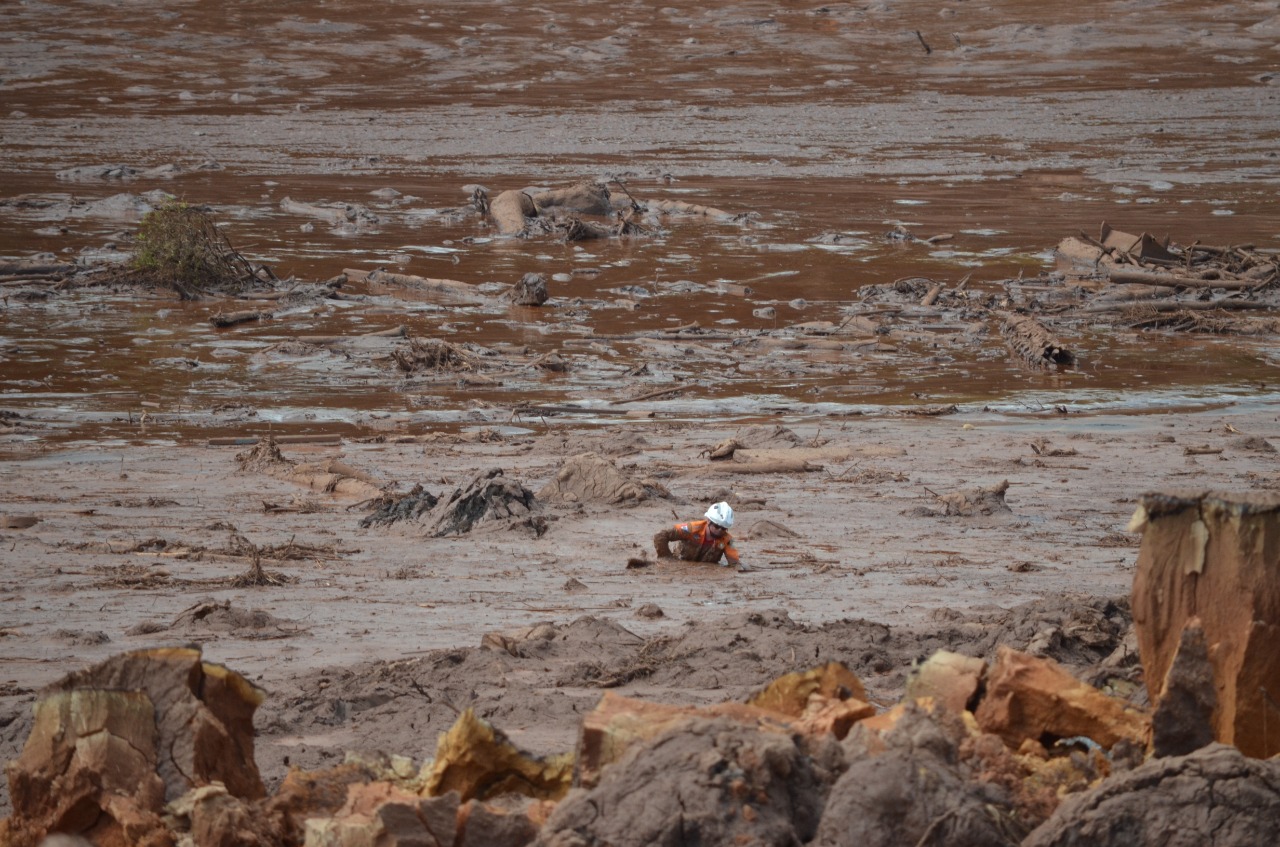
(1032, 344)
(407, 507)
(591, 478)
(978, 501)
(488, 498)
(806, 761)
(431, 354)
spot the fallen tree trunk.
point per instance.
(419, 283)
(511, 211)
(1177, 305)
(1170, 281)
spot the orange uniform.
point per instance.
(697, 544)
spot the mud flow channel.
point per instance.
(852, 158)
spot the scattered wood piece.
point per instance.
(224, 319)
(651, 395)
(1202, 450)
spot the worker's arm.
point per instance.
(662, 543)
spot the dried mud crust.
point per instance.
(536, 683)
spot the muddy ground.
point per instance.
(823, 133)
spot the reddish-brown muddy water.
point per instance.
(821, 129)
(1013, 131)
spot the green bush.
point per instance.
(179, 246)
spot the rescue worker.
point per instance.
(702, 541)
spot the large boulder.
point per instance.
(915, 791)
(111, 745)
(1215, 558)
(1030, 698)
(708, 781)
(1214, 797)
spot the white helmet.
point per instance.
(721, 515)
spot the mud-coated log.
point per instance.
(27, 267)
(511, 210)
(1214, 558)
(222, 319)
(669, 207)
(1172, 281)
(325, 213)
(1032, 343)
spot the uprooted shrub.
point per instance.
(178, 246)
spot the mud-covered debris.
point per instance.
(209, 620)
(724, 450)
(573, 585)
(263, 457)
(591, 478)
(976, 501)
(711, 781)
(914, 787)
(408, 507)
(1215, 796)
(769, 529)
(478, 761)
(488, 497)
(950, 679)
(432, 354)
(650, 611)
(1032, 344)
(531, 290)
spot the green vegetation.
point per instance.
(179, 246)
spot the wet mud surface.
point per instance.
(336, 138)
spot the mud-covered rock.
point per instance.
(1214, 797)
(915, 792)
(112, 744)
(709, 781)
(1035, 699)
(531, 290)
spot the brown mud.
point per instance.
(340, 138)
